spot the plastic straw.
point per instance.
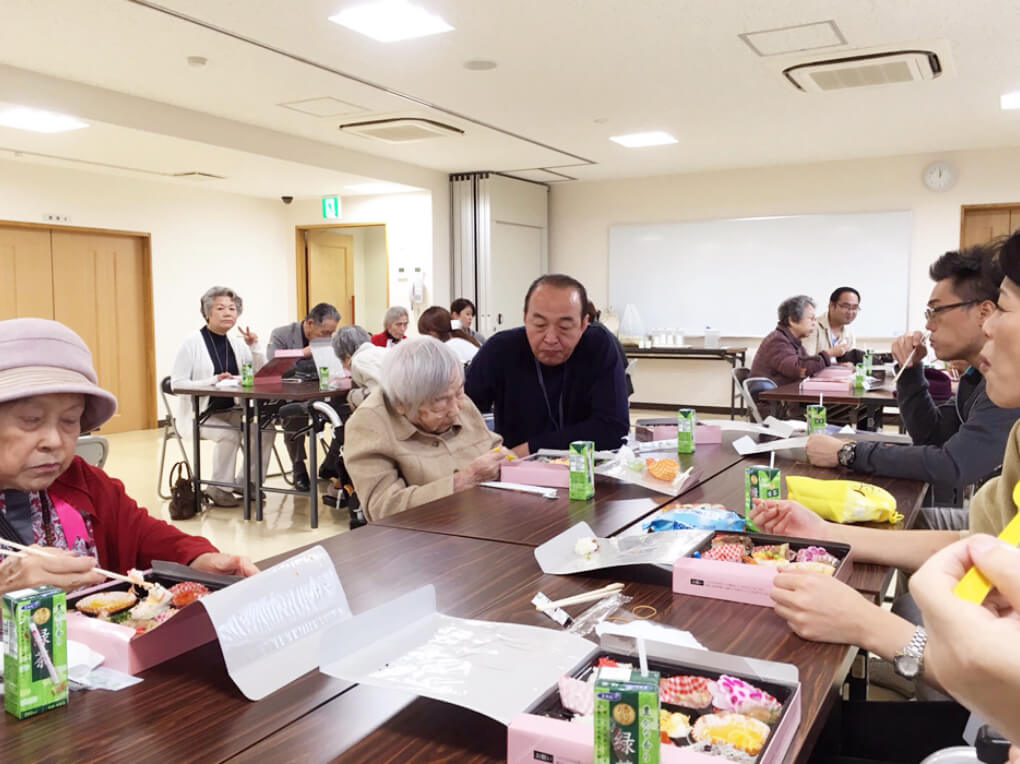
(642, 656)
(772, 460)
(821, 398)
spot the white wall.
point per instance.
(581, 213)
(370, 275)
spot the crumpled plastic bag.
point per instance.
(695, 518)
(843, 501)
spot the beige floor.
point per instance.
(134, 459)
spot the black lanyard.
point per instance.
(545, 396)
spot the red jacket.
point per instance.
(382, 338)
(126, 535)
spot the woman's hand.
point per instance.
(820, 608)
(224, 375)
(228, 564)
(56, 568)
(788, 518)
(249, 336)
(485, 467)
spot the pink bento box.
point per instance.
(739, 582)
(532, 470)
(704, 434)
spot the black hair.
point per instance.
(323, 312)
(436, 322)
(458, 305)
(975, 272)
(1009, 257)
(838, 292)
(559, 281)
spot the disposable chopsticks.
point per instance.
(40, 551)
(577, 599)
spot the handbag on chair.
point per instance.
(182, 492)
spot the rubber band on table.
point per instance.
(634, 611)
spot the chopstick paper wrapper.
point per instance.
(974, 587)
(549, 493)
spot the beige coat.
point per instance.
(396, 466)
(822, 339)
(992, 506)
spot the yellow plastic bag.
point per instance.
(843, 501)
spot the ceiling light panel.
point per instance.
(1010, 101)
(391, 20)
(326, 106)
(640, 140)
(794, 39)
(38, 121)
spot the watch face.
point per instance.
(906, 666)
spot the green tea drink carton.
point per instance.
(869, 362)
(35, 650)
(626, 716)
(247, 375)
(816, 418)
(859, 376)
(582, 470)
(686, 420)
(759, 483)
(323, 377)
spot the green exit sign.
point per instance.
(331, 207)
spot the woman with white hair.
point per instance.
(353, 346)
(394, 327)
(418, 438)
(207, 356)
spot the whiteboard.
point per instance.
(731, 275)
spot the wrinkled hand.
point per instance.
(909, 349)
(306, 352)
(57, 568)
(249, 336)
(228, 564)
(484, 467)
(522, 450)
(784, 517)
(224, 375)
(819, 608)
(822, 449)
(839, 350)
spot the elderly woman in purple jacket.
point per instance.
(781, 356)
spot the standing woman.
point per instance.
(394, 327)
(207, 356)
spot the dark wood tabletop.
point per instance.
(272, 391)
(521, 518)
(879, 396)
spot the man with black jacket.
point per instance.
(955, 443)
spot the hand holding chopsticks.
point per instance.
(24, 551)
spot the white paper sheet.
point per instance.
(745, 445)
(269, 625)
(557, 556)
(497, 669)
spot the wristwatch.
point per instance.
(846, 454)
(909, 662)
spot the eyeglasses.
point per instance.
(848, 306)
(931, 312)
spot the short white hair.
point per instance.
(393, 315)
(220, 291)
(417, 371)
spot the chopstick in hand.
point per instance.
(41, 552)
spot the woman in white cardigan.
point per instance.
(207, 356)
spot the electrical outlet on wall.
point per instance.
(49, 217)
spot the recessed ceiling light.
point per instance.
(379, 188)
(391, 20)
(479, 65)
(1008, 101)
(36, 120)
(638, 140)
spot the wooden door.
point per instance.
(981, 224)
(330, 269)
(26, 273)
(101, 285)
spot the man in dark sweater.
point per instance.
(553, 380)
(962, 440)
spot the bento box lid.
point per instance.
(557, 556)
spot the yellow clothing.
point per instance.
(992, 506)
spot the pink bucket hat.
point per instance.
(40, 357)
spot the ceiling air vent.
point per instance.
(864, 71)
(404, 130)
(197, 175)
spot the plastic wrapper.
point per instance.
(589, 620)
(628, 467)
(562, 555)
(695, 518)
(843, 501)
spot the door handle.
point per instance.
(499, 319)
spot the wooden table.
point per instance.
(734, 356)
(251, 412)
(871, 401)
(521, 518)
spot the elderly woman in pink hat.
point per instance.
(49, 496)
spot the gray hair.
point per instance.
(219, 291)
(348, 339)
(791, 310)
(417, 371)
(323, 312)
(393, 315)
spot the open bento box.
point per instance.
(130, 647)
(511, 673)
(268, 626)
(743, 565)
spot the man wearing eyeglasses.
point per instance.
(832, 330)
(960, 441)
